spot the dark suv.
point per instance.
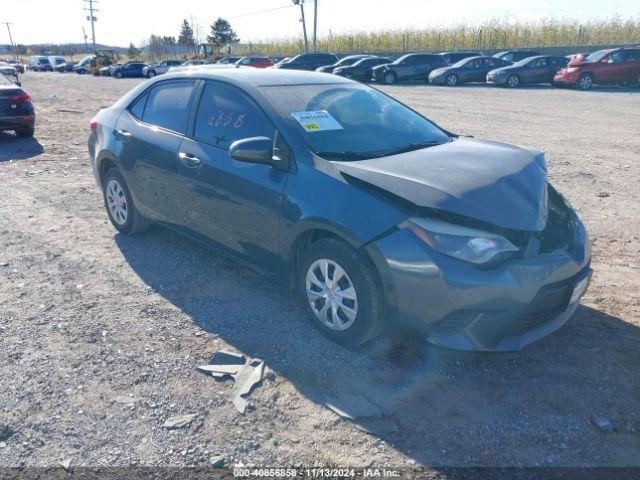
(309, 61)
(516, 55)
(414, 66)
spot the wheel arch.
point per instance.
(106, 160)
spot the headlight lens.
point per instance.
(572, 69)
(466, 244)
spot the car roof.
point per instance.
(257, 77)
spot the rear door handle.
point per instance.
(123, 135)
(189, 160)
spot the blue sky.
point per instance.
(124, 21)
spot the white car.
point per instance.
(159, 68)
(9, 71)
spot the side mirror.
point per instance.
(253, 150)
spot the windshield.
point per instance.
(352, 122)
(348, 61)
(597, 56)
(4, 80)
(523, 62)
(464, 61)
(401, 59)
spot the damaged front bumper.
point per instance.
(461, 306)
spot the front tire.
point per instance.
(585, 82)
(451, 80)
(340, 292)
(119, 75)
(513, 81)
(151, 73)
(389, 78)
(121, 209)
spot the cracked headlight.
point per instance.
(464, 243)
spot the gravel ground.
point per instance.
(100, 334)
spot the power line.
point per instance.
(13, 47)
(93, 18)
(260, 11)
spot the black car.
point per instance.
(16, 109)
(454, 57)
(472, 69)
(414, 66)
(512, 56)
(308, 61)
(226, 60)
(343, 62)
(540, 69)
(64, 67)
(130, 69)
(362, 69)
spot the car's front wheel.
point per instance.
(513, 81)
(451, 80)
(340, 292)
(585, 82)
(122, 212)
(389, 78)
(151, 73)
(119, 75)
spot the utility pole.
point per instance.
(13, 47)
(93, 19)
(304, 23)
(315, 25)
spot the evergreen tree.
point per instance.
(133, 52)
(186, 34)
(222, 33)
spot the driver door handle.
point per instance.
(123, 134)
(189, 160)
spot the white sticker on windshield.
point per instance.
(316, 121)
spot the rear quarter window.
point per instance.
(167, 105)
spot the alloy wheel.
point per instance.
(151, 74)
(513, 81)
(116, 202)
(331, 294)
(452, 80)
(585, 82)
(389, 78)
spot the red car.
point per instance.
(257, 62)
(618, 65)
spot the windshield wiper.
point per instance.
(348, 155)
(411, 147)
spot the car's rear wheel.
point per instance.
(121, 209)
(513, 81)
(389, 78)
(451, 80)
(340, 292)
(26, 132)
(585, 82)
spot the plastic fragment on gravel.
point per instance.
(602, 423)
(249, 376)
(66, 464)
(240, 403)
(352, 406)
(179, 421)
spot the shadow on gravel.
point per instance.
(14, 148)
(441, 407)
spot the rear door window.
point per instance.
(137, 107)
(168, 105)
(225, 115)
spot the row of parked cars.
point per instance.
(510, 68)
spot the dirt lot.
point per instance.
(100, 335)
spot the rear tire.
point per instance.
(585, 82)
(355, 296)
(121, 209)
(26, 132)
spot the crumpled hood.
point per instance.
(501, 184)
